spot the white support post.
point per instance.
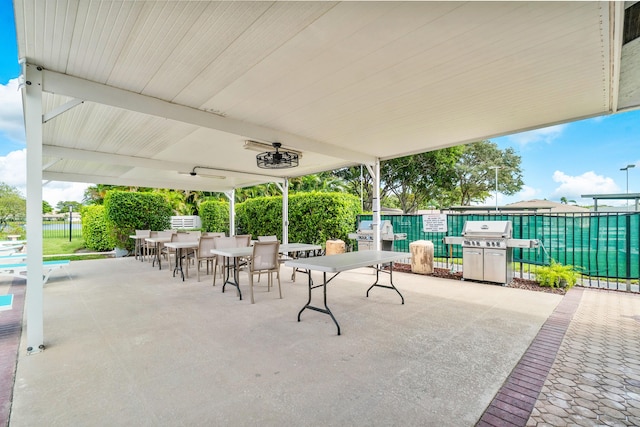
(375, 175)
(231, 195)
(285, 212)
(33, 128)
(284, 189)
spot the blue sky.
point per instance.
(566, 160)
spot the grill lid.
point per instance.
(487, 229)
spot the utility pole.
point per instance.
(626, 169)
(496, 169)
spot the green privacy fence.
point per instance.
(600, 244)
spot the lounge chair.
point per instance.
(20, 270)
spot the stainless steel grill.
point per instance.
(364, 236)
(487, 250)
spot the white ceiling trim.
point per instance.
(127, 181)
(616, 28)
(62, 84)
(141, 162)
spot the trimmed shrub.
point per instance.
(214, 215)
(313, 217)
(128, 211)
(557, 275)
(94, 229)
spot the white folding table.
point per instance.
(157, 242)
(180, 247)
(342, 262)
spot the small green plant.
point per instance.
(557, 275)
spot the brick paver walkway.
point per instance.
(595, 379)
(514, 402)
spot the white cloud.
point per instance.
(13, 169)
(547, 135)
(13, 172)
(11, 121)
(572, 187)
(57, 191)
(527, 193)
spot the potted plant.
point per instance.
(556, 275)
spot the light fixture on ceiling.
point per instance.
(277, 159)
(203, 174)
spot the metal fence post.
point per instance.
(628, 249)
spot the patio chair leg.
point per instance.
(251, 287)
(279, 287)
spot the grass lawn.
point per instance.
(62, 245)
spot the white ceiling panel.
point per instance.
(169, 85)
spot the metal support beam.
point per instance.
(63, 84)
(33, 127)
(60, 109)
(139, 162)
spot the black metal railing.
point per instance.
(62, 229)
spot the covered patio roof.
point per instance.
(140, 93)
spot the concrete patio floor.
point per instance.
(127, 344)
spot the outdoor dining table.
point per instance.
(247, 251)
(342, 262)
(180, 247)
(157, 242)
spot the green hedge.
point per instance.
(128, 211)
(214, 215)
(313, 217)
(94, 229)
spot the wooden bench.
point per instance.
(20, 270)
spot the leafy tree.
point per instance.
(46, 207)
(63, 207)
(419, 178)
(262, 190)
(324, 182)
(408, 182)
(476, 180)
(12, 205)
(358, 182)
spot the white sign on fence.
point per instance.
(434, 223)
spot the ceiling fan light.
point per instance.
(277, 159)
